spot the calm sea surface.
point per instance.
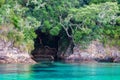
(60, 71)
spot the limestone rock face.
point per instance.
(96, 51)
(10, 54)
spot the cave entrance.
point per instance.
(46, 47)
(51, 48)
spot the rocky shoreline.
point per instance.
(96, 52)
(10, 54)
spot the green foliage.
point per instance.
(49, 12)
(46, 27)
(95, 21)
(78, 36)
(99, 19)
(55, 31)
(20, 27)
(101, 1)
(102, 12)
(118, 21)
(29, 34)
(2, 2)
(15, 21)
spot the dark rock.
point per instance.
(105, 59)
(44, 53)
(117, 60)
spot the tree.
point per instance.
(84, 21)
(76, 23)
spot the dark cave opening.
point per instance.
(45, 47)
(51, 48)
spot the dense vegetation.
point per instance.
(79, 21)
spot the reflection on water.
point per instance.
(13, 68)
(60, 71)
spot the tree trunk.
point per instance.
(70, 47)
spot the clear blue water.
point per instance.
(60, 71)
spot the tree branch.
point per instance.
(65, 28)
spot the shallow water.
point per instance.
(60, 71)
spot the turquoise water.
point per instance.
(60, 71)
